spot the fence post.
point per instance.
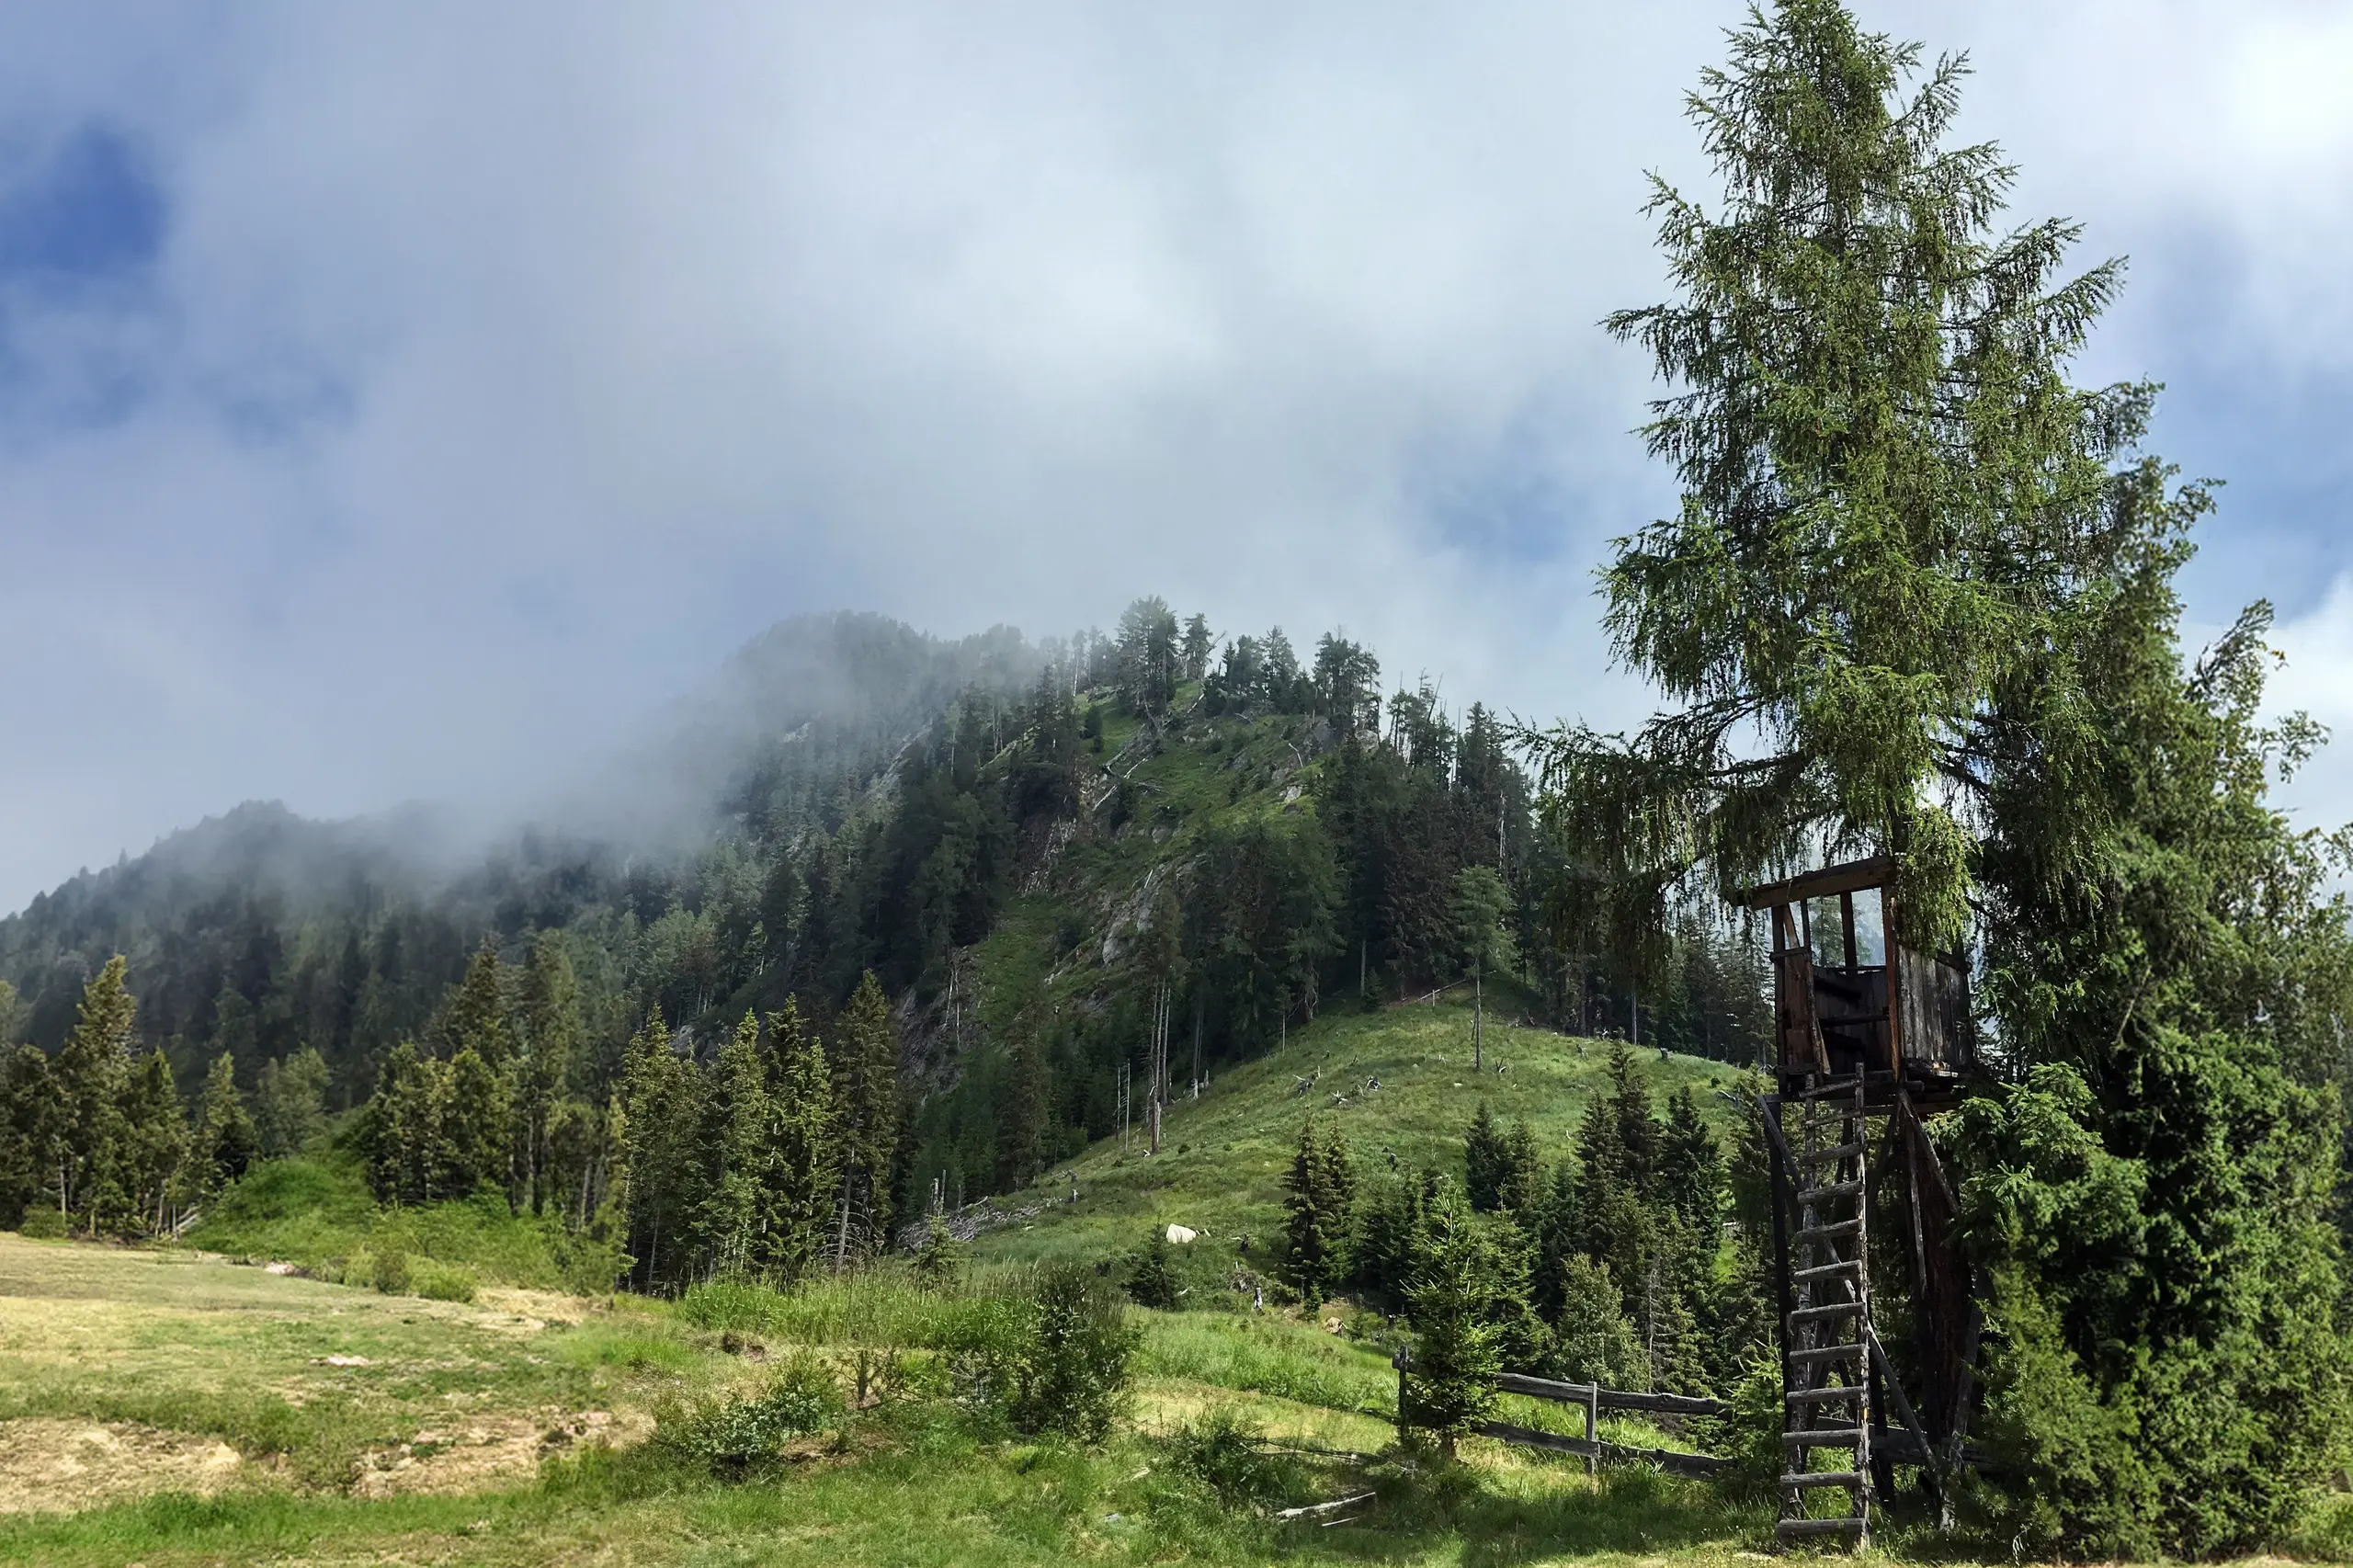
(1593, 1425)
(1399, 1362)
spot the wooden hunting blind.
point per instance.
(1870, 1037)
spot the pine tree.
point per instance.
(89, 1073)
(154, 1147)
(865, 1066)
(226, 1137)
(1455, 1302)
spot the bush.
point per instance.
(1072, 1375)
(1225, 1452)
(1151, 1282)
(43, 1223)
(443, 1281)
(390, 1272)
(734, 1437)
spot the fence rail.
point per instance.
(1593, 1398)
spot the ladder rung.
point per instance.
(1823, 1156)
(1824, 1438)
(1825, 1232)
(1847, 1270)
(1821, 1396)
(1801, 1480)
(1851, 1524)
(1823, 1315)
(1826, 1353)
(1829, 1190)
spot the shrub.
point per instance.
(443, 1281)
(43, 1223)
(1225, 1452)
(942, 1256)
(1072, 1375)
(390, 1272)
(734, 1437)
(1151, 1282)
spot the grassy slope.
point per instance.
(1225, 1154)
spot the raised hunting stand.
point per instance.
(1856, 1041)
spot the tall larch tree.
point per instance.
(1920, 600)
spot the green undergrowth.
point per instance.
(315, 1211)
(918, 1484)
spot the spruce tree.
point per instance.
(154, 1147)
(736, 1144)
(1486, 1161)
(31, 1130)
(1152, 1280)
(475, 1017)
(226, 1137)
(404, 1128)
(554, 1039)
(1455, 1304)
(806, 1151)
(1595, 1341)
(657, 1104)
(1690, 1180)
(1521, 1193)
(476, 1125)
(1319, 1198)
(290, 1103)
(865, 1066)
(89, 1073)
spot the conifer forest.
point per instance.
(934, 1078)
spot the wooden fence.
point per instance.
(1593, 1398)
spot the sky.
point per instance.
(400, 402)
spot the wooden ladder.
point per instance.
(1826, 1389)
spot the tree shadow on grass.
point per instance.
(1633, 1511)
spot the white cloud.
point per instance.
(506, 366)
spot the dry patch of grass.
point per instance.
(306, 1384)
(47, 1464)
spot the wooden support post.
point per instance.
(1593, 1426)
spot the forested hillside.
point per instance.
(1050, 858)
